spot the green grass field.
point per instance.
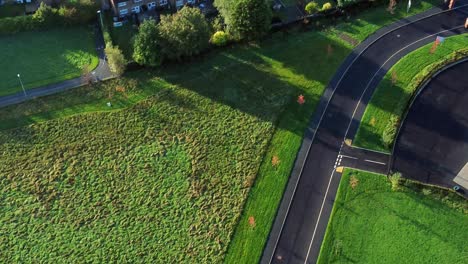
(215, 124)
(370, 223)
(44, 57)
(391, 98)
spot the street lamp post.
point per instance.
(22, 86)
(100, 17)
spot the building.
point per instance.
(122, 8)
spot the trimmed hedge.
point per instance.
(70, 14)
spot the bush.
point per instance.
(220, 38)
(185, 33)
(311, 8)
(389, 133)
(395, 179)
(327, 6)
(69, 14)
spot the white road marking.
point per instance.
(349, 157)
(318, 218)
(376, 162)
(321, 117)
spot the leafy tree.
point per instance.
(115, 59)
(147, 44)
(245, 19)
(185, 33)
(311, 8)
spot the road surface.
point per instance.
(435, 150)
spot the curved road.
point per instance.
(303, 215)
(434, 150)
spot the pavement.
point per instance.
(101, 72)
(302, 218)
(433, 150)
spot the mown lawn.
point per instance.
(215, 124)
(395, 91)
(370, 223)
(44, 57)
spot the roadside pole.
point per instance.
(22, 86)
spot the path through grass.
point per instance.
(370, 223)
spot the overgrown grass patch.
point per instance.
(392, 96)
(370, 223)
(45, 57)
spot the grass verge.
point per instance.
(370, 223)
(387, 106)
(45, 57)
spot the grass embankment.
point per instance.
(390, 100)
(201, 117)
(45, 57)
(370, 223)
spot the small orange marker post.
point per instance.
(300, 99)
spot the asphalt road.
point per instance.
(433, 150)
(302, 219)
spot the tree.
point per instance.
(185, 33)
(147, 44)
(245, 19)
(115, 59)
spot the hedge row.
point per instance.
(70, 14)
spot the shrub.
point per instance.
(311, 8)
(185, 33)
(69, 14)
(45, 15)
(327, 6)
(395, 179)
(389, 133)
(220, 38)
